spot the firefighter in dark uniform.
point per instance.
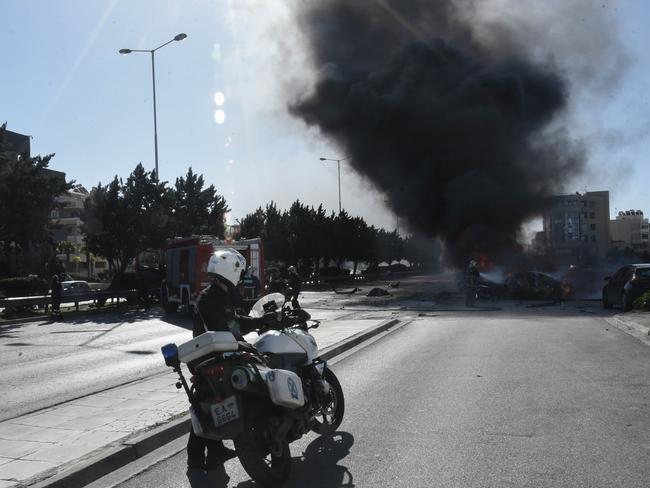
(471, 282)
(293, 287)
(216, 311)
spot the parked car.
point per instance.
(74, 287)
(626, 285)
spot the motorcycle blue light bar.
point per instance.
(170, 353)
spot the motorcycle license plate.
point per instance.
(225, 411)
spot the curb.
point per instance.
(24, 320)
(336, 349)
(630, 324)
(115, 456)
(118, 455)
(47, 318)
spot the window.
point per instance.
(593, 238)
(592, 215)
(592, 226)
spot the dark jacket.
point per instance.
(294, 283)
(472, 276)
(216, 311)
(57, 289)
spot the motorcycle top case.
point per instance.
(207, 343)
(285, 388)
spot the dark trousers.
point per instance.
(196, 447)
(294, 299)
(470, 296)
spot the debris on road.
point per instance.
(377, 292)
(350, 292)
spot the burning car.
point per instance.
(535, 285)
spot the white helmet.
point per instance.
(227, 264)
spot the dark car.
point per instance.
(626, 285)
(534, 285)
(74, 287)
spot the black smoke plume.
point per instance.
(463, 137)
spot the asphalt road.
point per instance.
(45, 363)
(533, 397)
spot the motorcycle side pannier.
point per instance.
(285, 388)
(207, 343)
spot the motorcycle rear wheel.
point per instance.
(253, 450)
(332, 408)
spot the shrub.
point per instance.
(643, 302)
(23, 286)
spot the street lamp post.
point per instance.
(338, 162)
(178, 37)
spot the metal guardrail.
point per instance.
(76, 298)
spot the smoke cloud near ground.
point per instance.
(450, 114)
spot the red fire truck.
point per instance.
(186, 261)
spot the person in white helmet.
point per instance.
(215, 311)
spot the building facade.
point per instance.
(576, 228)
(65, 225)
(17, 145)
(630, 230)
(65, 220)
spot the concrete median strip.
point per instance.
(109, 446)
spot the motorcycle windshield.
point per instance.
(269, 303)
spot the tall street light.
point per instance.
(179, 37)
(338, 161)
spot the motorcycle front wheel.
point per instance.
(332, 407)
(253, 447)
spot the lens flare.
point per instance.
(220, 116)
(219, 98)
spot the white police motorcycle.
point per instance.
(264, 392)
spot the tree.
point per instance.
(103, 210)
(28, 192)
(127, 217)
(197, 211)
(423, 252)
(253, 225)
(275, 236)
(124, 218)
(304, 235)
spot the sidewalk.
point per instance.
(635, 323)
(40, 445)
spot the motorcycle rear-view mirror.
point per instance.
(170, 353)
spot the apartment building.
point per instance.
(630, 230)
(576, 227)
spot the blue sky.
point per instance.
(64, 83)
